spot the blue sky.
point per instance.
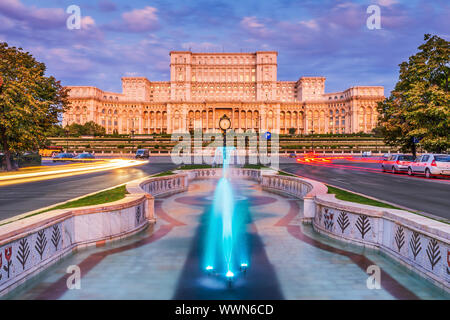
(133, 38)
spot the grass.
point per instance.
(352, 197)
(255, 166)
(163, 174)
(195, 166)
(282, 173)
(207, 166)
(98, 198)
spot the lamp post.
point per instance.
(132, 141)
(67, 139)
(224, 125)
(312, 141)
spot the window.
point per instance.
(442, 158)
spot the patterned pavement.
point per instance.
(288, 260)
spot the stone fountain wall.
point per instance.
(30, 245)
(420, 243)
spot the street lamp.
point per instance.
(224, 125)
(67, 139)
(312, 141)
(132, 141)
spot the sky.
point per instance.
(134, 37)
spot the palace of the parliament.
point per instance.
(205, 86)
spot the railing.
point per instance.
(416, 241)
(31, 244)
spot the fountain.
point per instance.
(225, 247)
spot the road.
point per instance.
(417, 193)
(430, 196)
(20, 198)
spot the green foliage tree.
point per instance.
(94, 129)
(88, 129)
(30, 102)
(419, 106)
(292, 131)
(56, 131)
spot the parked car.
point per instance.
(293, 155)
(142, 154)
(385, 156)
(84, 157)
(397, 163)
(62, 157)
(430, 165)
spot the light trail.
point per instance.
(327, 162)
(63, 171)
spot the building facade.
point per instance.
(205, 86)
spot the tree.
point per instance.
(30, 102)
(292, 131)
(419, 106)
(93, 129)
(56, 131)
(88, 129)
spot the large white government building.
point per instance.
(205, 86)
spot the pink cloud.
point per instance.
(255, 27)
(41, 18)
(141, 20)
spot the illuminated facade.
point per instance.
(244, 86)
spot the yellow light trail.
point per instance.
(67, 170)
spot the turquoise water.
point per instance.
(286, 260)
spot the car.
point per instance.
(61, 157)
(293, 155)
(397, 163)
(430, 165)
(142, 154)
(84, 157)
(385, 156)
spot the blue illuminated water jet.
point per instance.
(225, 247)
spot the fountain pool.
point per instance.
(286, 260)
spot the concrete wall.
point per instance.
(418, 242)
(28, 246)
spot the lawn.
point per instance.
(195, 166)
(163, 174)
(352, 197)
(95, 199)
